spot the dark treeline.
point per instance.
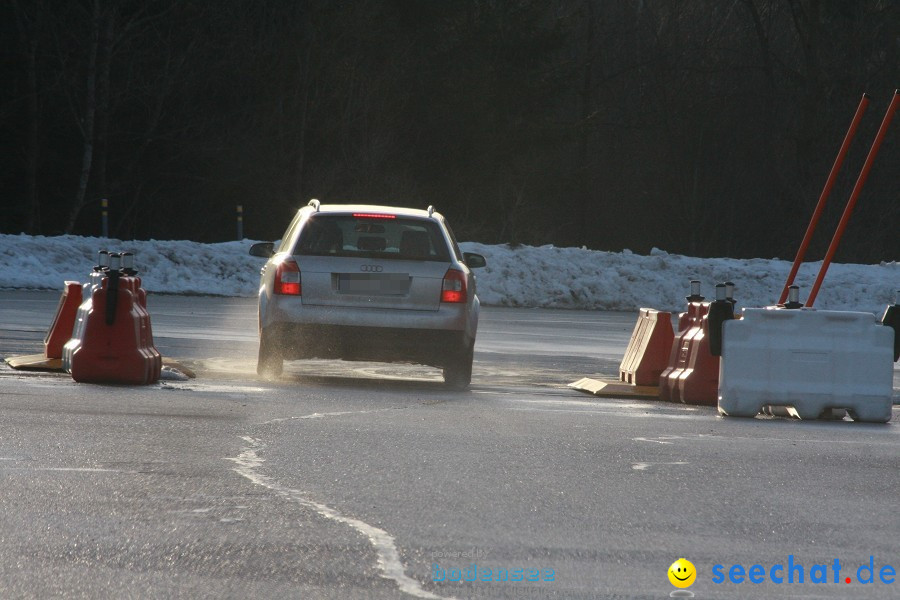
(704, 127)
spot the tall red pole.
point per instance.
(826, 191)
(854, 196)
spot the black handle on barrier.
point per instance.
(112, 297)
(721, 310)
(891, 318)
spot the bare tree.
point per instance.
(88, 115)
(28, 25)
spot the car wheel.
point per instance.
(270, 363)
(458, 373)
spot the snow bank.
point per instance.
(574, 278)
(525, 276)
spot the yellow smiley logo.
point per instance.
(682, 573)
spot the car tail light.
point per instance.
(454, 286)
(373, 216)
(287, 278)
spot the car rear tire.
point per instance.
(270, 363)
(458, 373)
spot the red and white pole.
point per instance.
(826, 191)
(854, 196)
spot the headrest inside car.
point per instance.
(371, 244)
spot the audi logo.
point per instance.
(371, 268)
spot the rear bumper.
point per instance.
(382, 344)
(291, 309)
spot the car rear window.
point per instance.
(372, 237)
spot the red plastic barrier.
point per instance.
(148, 350)
(648, 350)
(61, 329)
(686, 324)
(698, 382)
(141, 292)
(121, 351)
(692, 376)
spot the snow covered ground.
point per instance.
(526, 276)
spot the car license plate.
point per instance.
(374, 284)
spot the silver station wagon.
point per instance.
(364, 282)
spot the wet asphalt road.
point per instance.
(362, 480)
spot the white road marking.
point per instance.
(376, 372)
(535, 391)
(226, 390)
(643, 466)
(317, 415)
(77, 469)
(658, 440)
(72, 469)
(248, 464)
(619, 406)
(755, 440)
(615, 413)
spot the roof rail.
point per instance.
(430, 210)
(315, 204)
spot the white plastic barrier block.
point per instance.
(812, 360)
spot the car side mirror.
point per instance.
(262, 249)
(474, 261)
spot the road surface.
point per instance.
(362, 480)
